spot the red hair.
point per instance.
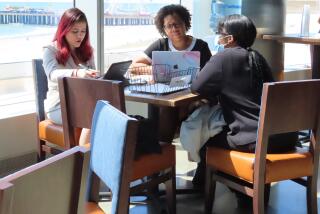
(68, 19)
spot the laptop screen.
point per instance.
(117, 70)
(164, 63)
(177, 60)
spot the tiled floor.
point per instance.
(285, 197)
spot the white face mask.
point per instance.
(217, 46)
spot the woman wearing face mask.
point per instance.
(70, 49)
(173, 22)
(236, 75)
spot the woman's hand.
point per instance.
(140, 66)
(83, 73)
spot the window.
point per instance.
(297, 56)
(129, 27)
(25, 27)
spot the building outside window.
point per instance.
(129, 27)
(25, 27)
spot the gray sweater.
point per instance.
(54, 70)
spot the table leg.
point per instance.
(315, 62)
(166, 121)
(153, 114)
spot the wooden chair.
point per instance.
(285, 107)
(113, 141)
(55, 185)
(78, 98)
(47, 130)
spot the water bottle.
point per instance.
(232, 7)
(305, 21)
(221, 8)
(216, 13)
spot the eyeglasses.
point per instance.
(171, 26)
(222, 35)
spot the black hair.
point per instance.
(244, 33)
(172, 9)
(240, 27)
(256, 65)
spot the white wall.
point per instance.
(302, 74)
(18, 136)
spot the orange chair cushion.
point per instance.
(279, 167)
(51, 132)
(149, 164)
(93, 208)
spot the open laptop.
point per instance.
(172, 72)
(168, 64)
(117, 71)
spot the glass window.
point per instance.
(129, 27)
(297, 56)
(25, 27)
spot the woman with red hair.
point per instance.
(65, 56)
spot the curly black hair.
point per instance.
(172, 9)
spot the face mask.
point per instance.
(217, 47)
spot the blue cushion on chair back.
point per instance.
(108, 139)
(41, 86)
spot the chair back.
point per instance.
(113, 140)
(288, 107)
(40, 86)
(55, 185)
(78, 98)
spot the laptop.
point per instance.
(172, 72)
(117, 71)
(168, 64)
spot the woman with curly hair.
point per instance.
(173, 22)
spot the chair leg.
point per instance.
(210, 187)
(312, 205)
(266, 194)
(171, 192)
(41, 153)
(152, 189)
(93, 187)
(258, 197)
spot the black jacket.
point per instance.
(229, 76)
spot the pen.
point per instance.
(84, 67)
(95, 75)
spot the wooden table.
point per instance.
(313, 41)
(169, 105)
(180, 98)
(164, 109)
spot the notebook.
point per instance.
(166, 64)
(117, 71)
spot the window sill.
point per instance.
(12, 105)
